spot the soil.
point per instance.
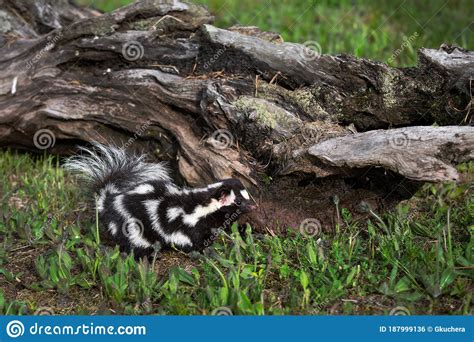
(78, 300)
(282, 204)
(288, 202)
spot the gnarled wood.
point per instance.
(157, 75)
(418, 153)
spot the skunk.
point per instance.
(139, 205)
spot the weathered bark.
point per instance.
(156, 75)
(419, 153)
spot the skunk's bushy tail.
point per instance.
(104, 165)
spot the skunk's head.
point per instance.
(233, 197)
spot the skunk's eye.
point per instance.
(238, 202)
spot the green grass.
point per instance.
(419, 256)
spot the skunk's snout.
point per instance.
(253, 207)
(248, 207)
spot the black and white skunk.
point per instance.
(139, 204)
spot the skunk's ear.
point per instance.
(221, 193)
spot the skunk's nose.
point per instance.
(253, 206)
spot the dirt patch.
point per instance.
(22, 265)
(169, 259)
(78, 300)
(289, 201)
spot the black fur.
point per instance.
(135, 200)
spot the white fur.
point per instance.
(97, 163)
(207, 188)
(101, 200)
(14, 83)
(245, 194)
(228, 200)
(204, 210)
(176, 238)
(179, 239)
(134, 235)
(151, 207)
(113, 228)
(201, 211)
(173, 213)
(172, 189)
(134, 228)
(143, 189)
(214, 185)
(118, 205)
(109, 189)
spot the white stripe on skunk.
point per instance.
(139, 204)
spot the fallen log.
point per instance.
(418, 153)
(216, 103)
